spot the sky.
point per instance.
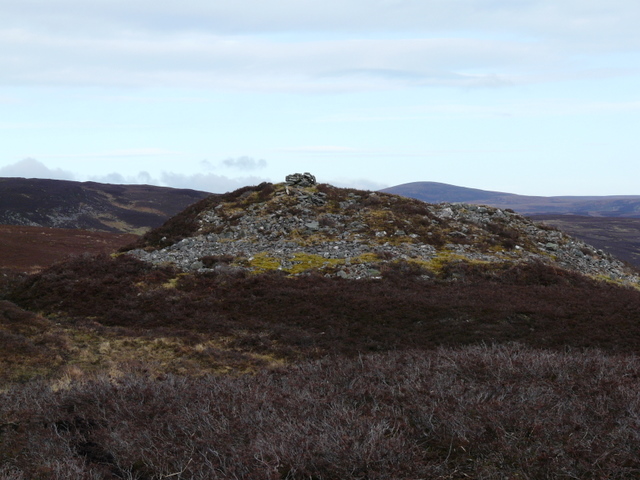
(535, 97)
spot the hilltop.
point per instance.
(297, 330)
(356, 234)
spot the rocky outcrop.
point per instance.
(353, 234)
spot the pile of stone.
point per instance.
(300, 180)
(284, 231)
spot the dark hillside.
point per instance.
(434, 192)
(90, 205)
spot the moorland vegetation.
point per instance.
(514, 364)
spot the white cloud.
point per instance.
(142, 178)
(543, 107)
(562, 17)
(360, 183)
(245, 163)
(324, 149)
(208, 182)
(263, 64)
(207, 165)
(306, 45)
(237, 163)
(125, 153)
(32, 168)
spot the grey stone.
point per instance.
(314, 225)
(300, 180)
(446, 213)
(348, 236)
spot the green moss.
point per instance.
(366, 258)
(445, 258)
(263, 262)
(305, 261)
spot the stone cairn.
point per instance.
(300, 180)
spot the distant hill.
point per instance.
(596, 206)
(89, 205)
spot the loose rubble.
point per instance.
(299, 229)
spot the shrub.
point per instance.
(315, 315)
(485, 412)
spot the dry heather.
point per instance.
(474, 412)
(101, 306)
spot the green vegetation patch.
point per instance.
(303, 262)
(262, 262)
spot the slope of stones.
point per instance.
(354, 234)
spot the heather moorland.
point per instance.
(275, 332)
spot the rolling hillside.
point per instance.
(89, 205)
(606, 206)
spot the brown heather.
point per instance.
(311, 316)
(471, 412)
(111, 368)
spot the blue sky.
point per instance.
(538, 97)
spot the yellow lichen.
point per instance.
(263, 262)
(368, 257)
(303, 262)
(173, 282)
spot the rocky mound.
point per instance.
(299, 227)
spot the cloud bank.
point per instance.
(306, 45)
(245, 163)
(206, 182)
(32, 168)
